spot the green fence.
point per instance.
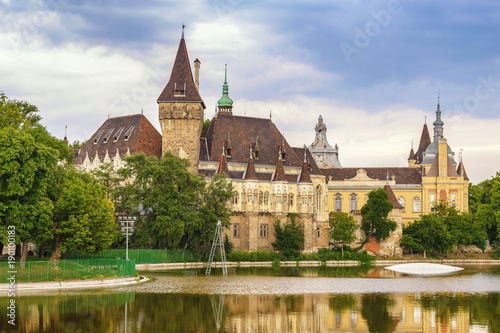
(32, 271)
(142, 256)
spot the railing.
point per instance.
(142, 256)
(32, 271)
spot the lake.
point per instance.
(343, 299)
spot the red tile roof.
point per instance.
(134, 133)
(250, 173)
(434, 170)
(392, 197)
(425, 141)
(279, 174)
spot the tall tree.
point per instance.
(26, 170)
(375, 213)
(343, 229)
(17, 114)
(83, 215)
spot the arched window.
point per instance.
(291, 199)
(401, 201)
(260, 197)
(338, 202)
(354, 202)
(266, 198)
(235, 198)
(416, 205)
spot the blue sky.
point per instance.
(372, 69)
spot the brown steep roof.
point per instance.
(425, 141)
(304, 174)
(392, 197)
(245, 131)
(412, 155)
(311, 162)
(279, 174)
(223, 169)
(461, 171)
(434, 170)
(181, 77)
(134, 133)
(402, 175)
(250, 173)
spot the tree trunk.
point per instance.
(1, 248)
(425, 254)
(41, 251)
(24, 252)
(342, 250)
(56, 251)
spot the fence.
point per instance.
(143, 256)
(32, 271)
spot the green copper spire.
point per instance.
(225, 103)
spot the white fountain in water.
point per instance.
(424, 269)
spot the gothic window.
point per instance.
(263, 231)
(236, 230)
(453, 200)
(291, 199)
(338, 202)
(285, 199)
(235, 198)
(249, 198)
(278, 199)
(416, 205)
(260, 197)
(354, 202)
(401, 201)
(433, 197)
(304, 200)
(318, 198)
(266, 198)
(318, 232)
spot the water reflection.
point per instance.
(172, 304)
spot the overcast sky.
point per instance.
(372, 69)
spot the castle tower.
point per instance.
(225, 104)
(181, 111)
(324, 154)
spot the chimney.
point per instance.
(197, 74)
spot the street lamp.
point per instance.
(127, 223)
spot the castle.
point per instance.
(271, 179)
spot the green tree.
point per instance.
(429, 234)
(485, 205)
(26, 170)
(205, 124)
(343, 229)
(17, 114)
(375, 213)
(180, 208)
(83, 215)
(289, 238)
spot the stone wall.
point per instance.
(181, 125)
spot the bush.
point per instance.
(253, 256)
(289, 238)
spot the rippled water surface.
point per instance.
(273, 300)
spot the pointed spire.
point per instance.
(438, 123)
(425, 141)
(223, 168)
(183, 26)
(412, 155)
(305, 176)
(392, 197)
(250, 173)
(181, 86)
(279, 173)
(225, 103)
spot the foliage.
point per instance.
(375, 310)
(17, 114)
(375, 213)
(180, 208)
(253, 256)
(205, 124)
(289, 238)
(26, 169)
(106, 176)
(42, 135)
(484, 204)
(335, 254)
(83, 215)
(77, 144)
(428, 234)
(228, 245)
(343, 228)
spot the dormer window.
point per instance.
(129, 133)
(108, 134)
(179, 91)
(117, 134)
(98, 136)
(255, 155)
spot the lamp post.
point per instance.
(127, 223)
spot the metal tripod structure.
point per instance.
(218, 242)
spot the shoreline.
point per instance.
(23, 287)
(331, 263)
